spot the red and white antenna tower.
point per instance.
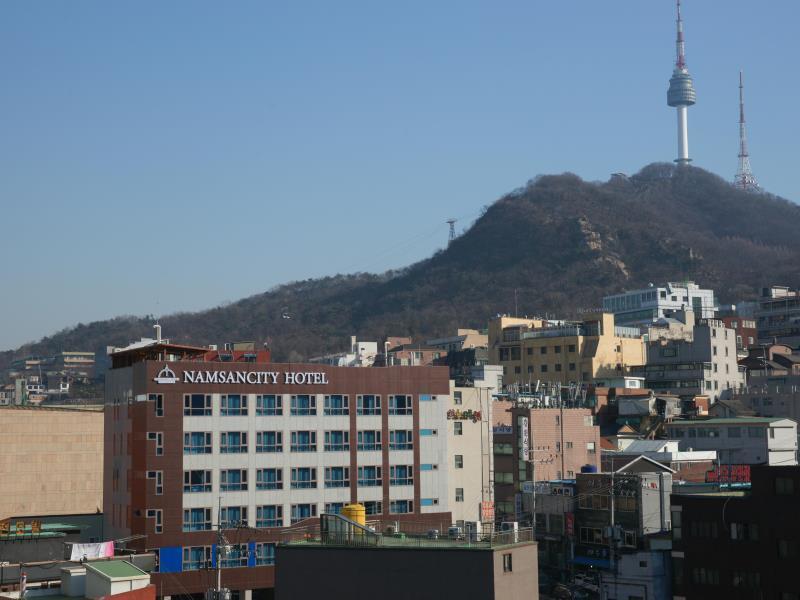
(744, 179)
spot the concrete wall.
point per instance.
(52, 461)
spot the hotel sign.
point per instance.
(167, 375)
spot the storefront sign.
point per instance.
(524, 438)
(167, 375)
(729, 474)
(502, 430)
(487, 511)
(464, 415)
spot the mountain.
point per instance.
(558, 245)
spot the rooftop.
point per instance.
(727, 420)
(116, 569)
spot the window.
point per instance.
(503, 477)
(507, 563)
(501, 448)
(457, 395)
(336, 404)
(735, 432)
(233, 442)
(459, 461)
(544, 368)
(304, 478)
(373, 507)
(337, 441)
(269, 515)
(459, 494)
(625, 503)
(158, 403)
(401, 440)
(571, 366)
(197, 442)
(629, 538)
(269, 479)
(196, 558)
(265, 554)
(401, 475)
(744, 532)
(458, 428)
(746, 579)
(369, 476)
(197, 405)
(236, 556)
(304, 441)
(590, 447)
(755, 432)
(571, 348)
(196, 481)
(158, 519)
(197, 519)
(269, 441)
(368, 404)
(591, 535)
(543, 350)
(304, 405)
(369, 440)
(159, 477)
(233, 405)
(400, 405)
(233, 480)
(158, 438)
(784, 486)
(334, 508)
(269, 405)
(303, 511)
(399, 507)
(788, 549)
(233, 516)
(337, 477)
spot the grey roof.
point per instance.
(640, 446)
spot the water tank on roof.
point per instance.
(588, 469)
(355, 512)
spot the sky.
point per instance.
(169, 156)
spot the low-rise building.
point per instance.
(532, 350)
(737, 543)
(464, 339)
(360, 354)
(688, 465)
(642, 307)
(740, 440)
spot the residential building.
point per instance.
(652, 303)
(464, 339)
(359, 563)
(706, 365)
(409, 354)
(622, 522)
(52, 458)
(739, 440)
(532, 350)
(361, 354)
(553, 504)
(766, 362)
(687, 465)
(778, 315)
(193, 446)
(746, 333)
(738, 543)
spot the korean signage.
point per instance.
(464, 415)
(524, 438)
(487, 511)
(502, 430)
(569, 523)
(729, 474)
(167, 375)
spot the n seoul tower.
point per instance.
(681, 94)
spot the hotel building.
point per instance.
(196, 443)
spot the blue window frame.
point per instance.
(304, 441)
(197, 405)
(399, 507)
(369, 440)
(368, 404)
(304, 405)
(196, 481)
(197, 519)
(337, 441)
(196, 558)
(236, 556)
(269, 515)
(233, 442)
(303, 511)
(337, 404)
(400, 404)
(231, 517)
(337, 477)
(334, 508)
(304, 478)
(401, 475)
(233, 405)
(269, 441)
(401, 439)
(197, 442)
(268, 405)
(269, 479)
(233, 480)
(265, 554)
(369, 476)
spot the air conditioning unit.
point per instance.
(455, 533)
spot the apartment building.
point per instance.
(778, 315)
(533, 350)
(252, 448)
(652, 303)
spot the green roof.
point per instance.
(115, 569)
(727, 421)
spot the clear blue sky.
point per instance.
(163, 156)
